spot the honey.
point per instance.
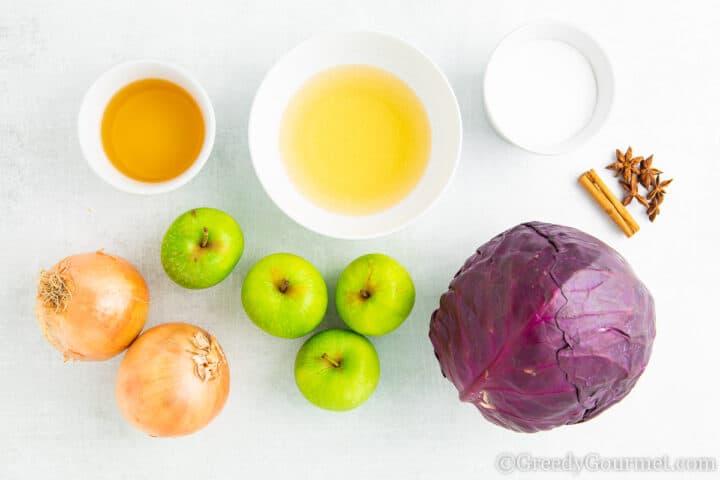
(152, 130)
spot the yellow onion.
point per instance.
(173, 380)
(91, 306)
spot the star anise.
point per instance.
(625, 165)
(656, 197)
(658, 190)
(648, 173)
(631, 189)
(653, 210)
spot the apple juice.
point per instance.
(355, 139)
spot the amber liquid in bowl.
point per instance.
(355, 139)
(152, 130)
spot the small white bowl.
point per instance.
(583, 44)
(93, 107)
(289, 74)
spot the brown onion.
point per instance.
(91, 306)
(173, 380)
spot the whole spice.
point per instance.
(656, 197)
(658, 192)
(653, 210)
(632, 192)
(626, 164)
(597, 189)
(640, 170)
(647, 174)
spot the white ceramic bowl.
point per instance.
(596, 58)
(379, 50)
(96, 100)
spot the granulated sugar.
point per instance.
(540, 93)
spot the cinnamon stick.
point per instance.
(608, 202)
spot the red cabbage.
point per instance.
(543, 326)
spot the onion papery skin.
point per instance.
(173, 380)
(91, 306)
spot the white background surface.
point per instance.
(60, 421)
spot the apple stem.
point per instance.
(284, 285)
(364, 294)
(204, 241)
(330, 360)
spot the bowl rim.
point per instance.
(327, 37)
(121, 181)
(600, 64)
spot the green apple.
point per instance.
(285, 295)
(374, 294)
(201, 248)
(337, 369)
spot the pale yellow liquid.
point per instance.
(355, 139)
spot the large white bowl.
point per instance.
(93, 107)
(379, 50)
